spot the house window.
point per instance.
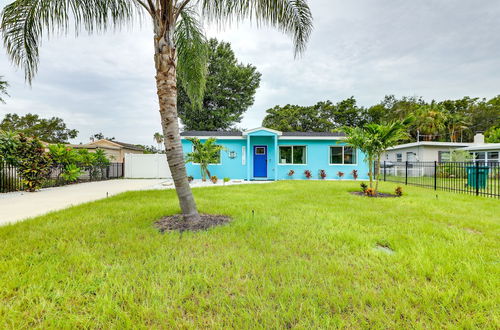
(343, 155)
(493, 157)
(444, 156)
(399, 157)
(293, 155)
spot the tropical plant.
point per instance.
(291, 173)
(308, 174)
(33, 164)
(322, 174)
(214, 179)
(71, 173)
(204, 154)
(190, 178)
(370, 192)
(492, 135)
(398, 191)
(374, 139)
(354, 174)
(340, 174)
(158, 138)
(180, 47)
(363, 186)
(430, 121)
(9, 141)
(226, 180)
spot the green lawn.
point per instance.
(308, 258)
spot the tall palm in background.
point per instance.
(3, 89)
(158, 138)
(179, 46)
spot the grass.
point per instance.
(312, 255)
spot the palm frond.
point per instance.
(192, 55)
(3, 89)
(292, 17)
(24, 22)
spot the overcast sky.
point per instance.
(437, 49)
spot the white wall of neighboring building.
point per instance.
(146, 166)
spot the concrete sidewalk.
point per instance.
(18, 206)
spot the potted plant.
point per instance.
(214, 179)
(308, 174)
(322, 174)
(226, 180)
(355, 174)
(291, 173)
(340, 174)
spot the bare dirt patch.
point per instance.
(379, 195)
(176, 222)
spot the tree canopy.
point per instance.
(448, 120)
(229, 91)
(52, 130)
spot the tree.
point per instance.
(374, 139)
(33, 164)
(492, 135)
(100, 136)
(52, 130)
(159, 139)
(204, 153)
(179, 47)
(295, 118)
(9, 141)
(3, 89)
(430, 121)
(229, 91)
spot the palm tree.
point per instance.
(204, 154)
(3, 89)
(158, 139)
(374, 139)
(180, 46)
(430, 120)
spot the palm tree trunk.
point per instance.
(166, 83)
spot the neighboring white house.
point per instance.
(430, 151)
(487, 153)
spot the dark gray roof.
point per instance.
(224, 133)
(128, 145)
(337, 134)
(211, 133)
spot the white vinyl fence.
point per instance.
(146, 166)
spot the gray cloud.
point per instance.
(366, 48)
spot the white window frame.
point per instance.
(399, 157)
(220, 163)
(243, 155)
(292, 145)
(343, 164)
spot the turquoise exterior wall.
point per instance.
(318, 158)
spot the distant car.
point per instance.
(386, 164)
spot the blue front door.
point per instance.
(260, 161)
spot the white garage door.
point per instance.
(146, 166)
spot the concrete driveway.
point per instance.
(17, 206)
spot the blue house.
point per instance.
(266, 154)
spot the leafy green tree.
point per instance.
(100, 136)
(204, 153)
(52, 130)
(492, 135)
(430, 121)
(33, 164)
(9, 141)
(179, 47)
(295, 118)
(229, 91)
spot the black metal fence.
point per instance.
(11, 181)
(475, 178)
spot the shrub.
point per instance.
(399, 191)
(355, 174)
(371, 192)
(190, 178)
(214, 179)
(364, 186)
(33, 163)
(226, 180)
(322, 174)
(291, 173)
(308, 174)
(71, 173)
(340, 174)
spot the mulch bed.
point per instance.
(379, 195)
(176, 222)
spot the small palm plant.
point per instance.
(158, 138)
(204, 153)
